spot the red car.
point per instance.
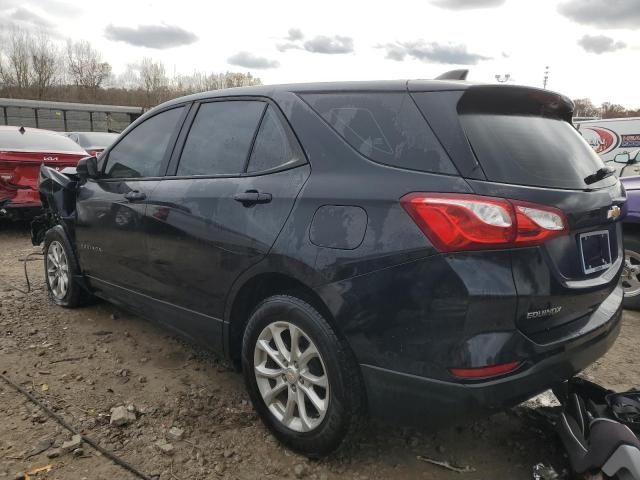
(22, 151)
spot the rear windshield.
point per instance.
(97, 139)
(385, 127)
(37, 141)
(530, 150)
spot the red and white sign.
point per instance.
(601, 139)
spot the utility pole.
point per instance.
(546, 77)
(503, 78)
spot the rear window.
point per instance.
(99, 139)
(384, 127)
(531, 150)
(37, 141)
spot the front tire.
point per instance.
(60, 269)
(631, 272)
(301, 377)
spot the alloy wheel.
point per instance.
(57, 270)
(631, 273)
(291, 376)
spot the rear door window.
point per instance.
(530, 150)
(385, 127)
(220, 138)
(275, 145)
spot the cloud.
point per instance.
(283, 47)
(249, 60)
(151, 36)
(295, 34)
(24, 15)
(600, 44)
(330, 45)
(25, 19)
(467, 4)
(433, 52)
(603, 13)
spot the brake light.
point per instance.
(484, 372)
(456, 222)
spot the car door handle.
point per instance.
(135, 196)
(251, 197)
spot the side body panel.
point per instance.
(110, 237)
(200, 240)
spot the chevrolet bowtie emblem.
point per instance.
(613, 213)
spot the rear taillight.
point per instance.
(484, 372)
(455, 222)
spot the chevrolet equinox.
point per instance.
(414, 250)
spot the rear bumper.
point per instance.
(408, 398)
(19, 198)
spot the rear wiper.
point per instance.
(601, 174)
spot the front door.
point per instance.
(110, 235)
(235, 184)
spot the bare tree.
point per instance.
(612, 110)
(45, 63)
(584, 107)
(154, 80)
(15, 67)
(85, 66)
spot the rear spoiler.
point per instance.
(515, 100)
(454, 75)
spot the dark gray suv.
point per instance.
(415, 250)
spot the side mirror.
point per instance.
(622, 158)
(88, 168)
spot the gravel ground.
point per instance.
(84, 362)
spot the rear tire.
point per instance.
(321, 375)
(60, 271)
(631, 272)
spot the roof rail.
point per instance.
(454, 75)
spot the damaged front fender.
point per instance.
(58, 196)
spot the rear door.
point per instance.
(235, 180)
(110, 235)
(521, 145)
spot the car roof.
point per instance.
(351, 86)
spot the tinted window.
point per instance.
(141, 151)
(220, 137)
(11, 140)
(385, 127)
(275, 145)
(532, 150)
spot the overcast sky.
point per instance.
(592, 47)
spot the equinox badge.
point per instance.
(547, 312)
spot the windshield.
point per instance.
(11, 140)
(531, 150)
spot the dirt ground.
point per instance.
(83, 362)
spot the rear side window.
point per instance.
(220, 138)
(384, 127)
(530, 150)
(141, 151)
(275, 145)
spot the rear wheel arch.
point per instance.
(259, 288)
